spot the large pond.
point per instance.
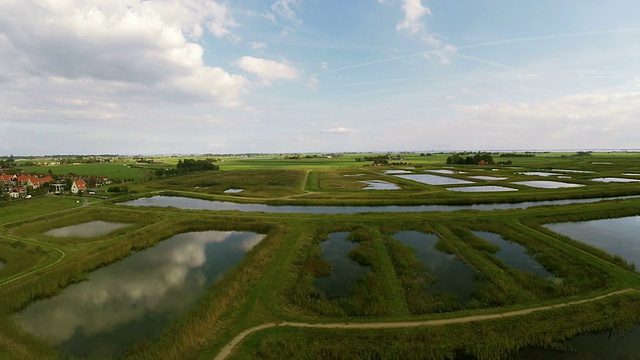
(547, 184)
(434, 179)
(604, 345)
(380, 185)
(615, 236)
(514, 254)
(481, 188)
(344, 271)
(197, 204)
(134, 299)
(86, 230)
(453, 275)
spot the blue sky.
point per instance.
(199, 76)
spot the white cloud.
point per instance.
(313, 83)
(145, 44)
(257, 45)
(337, 130)
(283, 8)
(268, 70)
(607, 119)
(413, 13)
(324, 65)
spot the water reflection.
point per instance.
(482, 188)
(434, 179)
(344, 271)
(86, 230)
(514, 254)
(380, 185)
(615, 236)
(604, 345)
(452, 274)
(135, 298)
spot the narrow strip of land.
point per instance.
(227, 349)
(60, 251)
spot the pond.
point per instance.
(198, 204)
(538, 173)
(547, 184)
(344, 271)
(573, 171)
(135, 298)
(453, 275)
(487, 178)
(615, 236)
(433, 179)
(485, 188)
(391, 172)
(604, 345)
(232, 191)
(615, 180)
(513, 254)
(86, 230)
(380, 185)
(447, 172)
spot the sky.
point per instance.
(297, 76)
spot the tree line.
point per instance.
(187, 166)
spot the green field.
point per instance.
(271, 295)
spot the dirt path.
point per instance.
(60, 251)
(227, 349)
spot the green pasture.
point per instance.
(114, 171)
(276, 280)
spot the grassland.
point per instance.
(274, 284)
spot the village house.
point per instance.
(78, 186)
(18, 192)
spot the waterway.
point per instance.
(198, 204)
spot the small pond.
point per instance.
(604, 345)
(447, 172)
(573, 171)
(380, 185)
(514, 254)
(453, 275)
(198, 204)
(615, 236)
(547, 184)
(631, 174)
(344, 271)
(232, 191)
(135, 298)
(614, 180)
(538, 173)
(487, 188)
(434, 179)
(488, 178)
(391, 172)
(86, 230)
